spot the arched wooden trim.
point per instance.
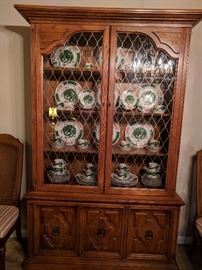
(56, 43)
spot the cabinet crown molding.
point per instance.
(36, 13)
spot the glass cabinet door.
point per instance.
(74, 98)
(139, 113)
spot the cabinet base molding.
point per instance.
(35, 264)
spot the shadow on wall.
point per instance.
(24, 32)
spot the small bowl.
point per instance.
(124, 145)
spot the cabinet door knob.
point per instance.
(101, 233)
(55, 231)
(149, 235)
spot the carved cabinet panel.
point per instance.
(56, 230)
(102, 231)
(148, 232)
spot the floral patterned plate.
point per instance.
(116, 133)
(128, 99)
(81, 179)
(130, 181)
(139, 134)
(69, 131)
(87, 99)
(120, 55)
(66, 56)
(149, 97)
(66, 94)
(116, 95)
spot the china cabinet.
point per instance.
(108, 88)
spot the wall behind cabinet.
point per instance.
(15, 91)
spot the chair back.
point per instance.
(199, 184)
(11, 161)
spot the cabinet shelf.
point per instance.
(130, 75)
(76, 73)
(71, 149)
(138, 113)
(135, 151)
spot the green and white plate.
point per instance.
(139, 134)
(131, 180)
(128, 99)
(69, 131)
(116, 95)
(66, 56)
(87, 99)
(66, 94)
(82, 180)
(149, 98)
(120, 55)
(116, 133)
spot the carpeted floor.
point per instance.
(14, 255)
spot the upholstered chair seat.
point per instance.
(11, 160)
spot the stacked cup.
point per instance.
(58, 172)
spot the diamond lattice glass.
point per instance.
(143, 98)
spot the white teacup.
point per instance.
(160, 109)
(59, 163)
(58, 171)
(124, 145)
(154, 145)
(58, 143)
(153, 167)
(82, 143)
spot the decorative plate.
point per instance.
(128, 99)
(151, 182)
(66, 94)
(98, 56)
(120, 55)
(69, 131)
(149, 97)
(87, 99)
(66, 56)
(81, 179)
(139, 134)
(57, 179)
(131, 180)
(116, 95)
(116, 133)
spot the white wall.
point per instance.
(15, 97)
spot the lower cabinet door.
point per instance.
(148, 233)
(54, 230)
(101, 232)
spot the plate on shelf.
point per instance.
(81, 179)
(69, 131)
(120, 55)
(66, 56)
(87, 99)
(150, 181)
(66, 94)
(149, 98)
(139, 134)
(57, 179)
(98, 56)
(128, 99)
(116, 133)
(116, 94)
(130, 181)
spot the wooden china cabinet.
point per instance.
(108, 89)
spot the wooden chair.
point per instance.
(199, 195)
(11, 161)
